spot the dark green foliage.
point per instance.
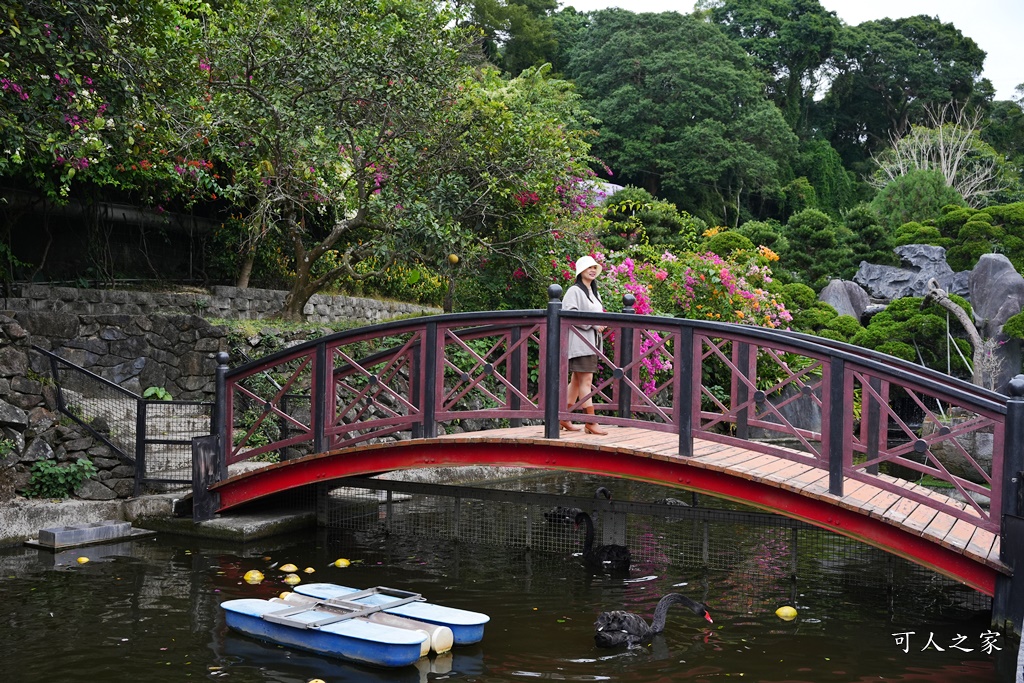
(916, 196)
(915, 233)
(812, 320)
(834, 186)
(898, 349)
(518, 34)
(636, 217)
(790, 40)
(798, 296)
(798, 195)
(682, 111)
(765, 233)
(725, 243)
(818, 249)
(1004, 130)
(969, 233)
(871, 242)
(907, 331)
(888, 72)
(846, 326)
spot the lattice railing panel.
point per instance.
(938, 440)
(375, 388)
(490, 371)
(269, 407)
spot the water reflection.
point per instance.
(149, 610)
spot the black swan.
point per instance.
(564, 515)
(625, 628)
(609, 558)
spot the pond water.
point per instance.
(147, 610)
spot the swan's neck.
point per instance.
(588, 540)
(661, 611)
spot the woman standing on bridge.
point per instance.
(582, 296)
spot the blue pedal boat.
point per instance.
(357, 625)
(467, 627)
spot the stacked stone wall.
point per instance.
(227, 303)
(135, 340)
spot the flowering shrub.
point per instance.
(706, 286)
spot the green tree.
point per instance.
(871, 242)
(517, 34)
(952, 145)
(835, 189)
(318, 116)
(82, 86)
(682, 111)
(1004, 130)
(508, 175)
(791, 41)
(915, 196)
(915, 330)
(968, 233)
(635, 217)
(819, 250)
(766, 234)
(888, 71)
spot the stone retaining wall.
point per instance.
(228, 303)
(135, 340)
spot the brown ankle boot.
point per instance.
(569, 426)
(593, 427)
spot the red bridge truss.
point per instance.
(899, 456)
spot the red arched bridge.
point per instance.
(901, 457)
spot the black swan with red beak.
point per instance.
(626, 628)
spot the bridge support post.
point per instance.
(319, 398)
(428, 427)
(740, 390)
(686, 367)
(206, 452)
(553, 380)
(836, 415)
(210, 453)
(1008, 602)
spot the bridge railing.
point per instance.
(856, 414)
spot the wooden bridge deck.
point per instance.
(907, 515)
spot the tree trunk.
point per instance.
(246, 270)
(449, 296)
(294, 301)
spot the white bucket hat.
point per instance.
(587, 262)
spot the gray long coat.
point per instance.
(575, 299)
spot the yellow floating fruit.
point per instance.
(316, 680)
(83, 560)
(309, 570)
(288, 567)
(342, 562)
(284, 595)
(253, 576)
(292, 579)
(786, 613)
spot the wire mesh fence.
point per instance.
(105, 408)
(155, 436)
(663, 533)
(165, 459)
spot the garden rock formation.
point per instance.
(919, 264)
